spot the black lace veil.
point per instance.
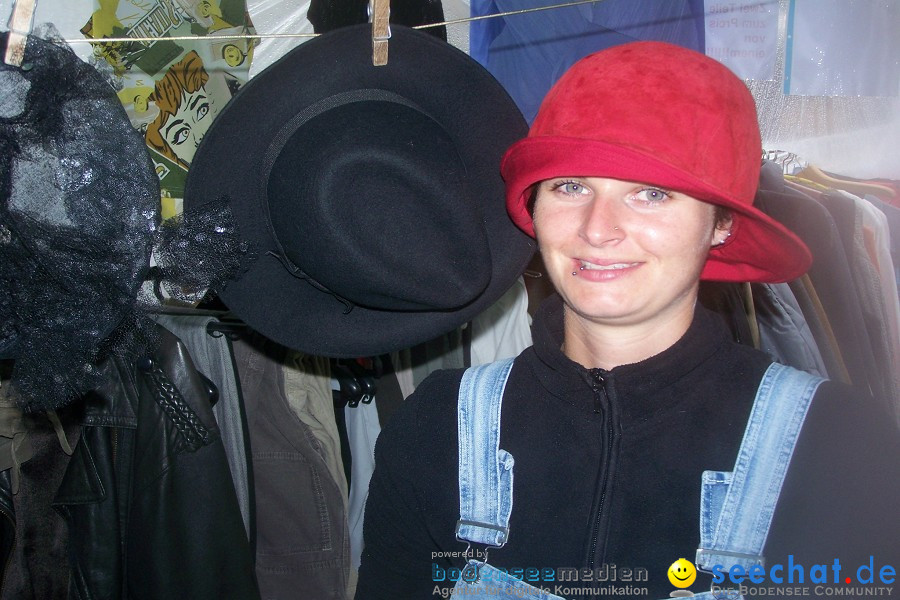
(83, 256)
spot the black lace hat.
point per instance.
(79, 223)
(372, 193)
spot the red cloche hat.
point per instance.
(661, 114)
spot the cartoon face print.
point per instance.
(186, 110)
(184, 130)
(233, 56)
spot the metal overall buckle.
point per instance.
(470, 572)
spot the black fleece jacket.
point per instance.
(608, 467)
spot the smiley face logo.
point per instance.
(682, 573)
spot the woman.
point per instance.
(637, 180)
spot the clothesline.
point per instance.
(255, 36)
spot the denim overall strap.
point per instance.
(485, 471)
(736, 509)
(486, 487)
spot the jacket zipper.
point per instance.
(601, 406)
(115, 444)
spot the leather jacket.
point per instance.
(7, 522)
(147, 494)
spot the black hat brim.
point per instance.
(230, 163)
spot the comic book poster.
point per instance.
(171, 88)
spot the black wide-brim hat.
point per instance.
(372, 194)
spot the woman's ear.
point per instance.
(724, 222)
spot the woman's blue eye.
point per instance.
(652, 195)
(572, 188)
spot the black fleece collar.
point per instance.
(637, 385)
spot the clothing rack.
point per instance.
(191, 311)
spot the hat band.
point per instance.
(324, 105)
(299, 273)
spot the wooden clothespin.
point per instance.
(380, 15)
(19, 28)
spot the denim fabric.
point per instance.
(736, 508)
(485, 471)
(494, 584)
(486, 484)
(302, 548)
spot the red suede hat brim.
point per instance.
(760, 249)
(660, 114)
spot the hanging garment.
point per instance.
(443, 352)
(404, 376)
(34, 548)
(811, 306)
(728, 301)
(302, 547)
(865, 285)
(307, 387)
(830, 272)
(15, 444)
(784, 332)
(892, 214)
(504, 329)
(893, 185)
(363, 429)
(876, 239)
(390, 392)
(148, 496)
(877, 245)
(812, 173)
(212, 356)
(500, 331)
